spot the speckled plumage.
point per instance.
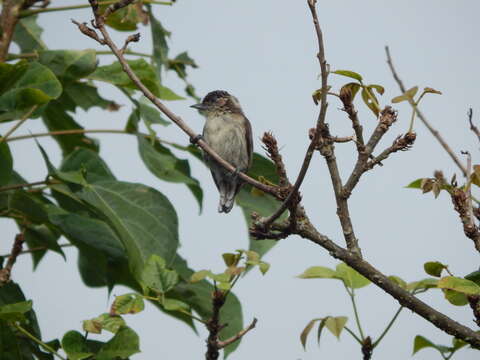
(229, 133)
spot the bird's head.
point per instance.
(218, 102)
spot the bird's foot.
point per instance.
(194, 140)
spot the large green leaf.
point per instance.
(37, 85)
(56, 118)
(41, 236)
(27, 35)
(464, 286)
(166, 166)
(127, 18)
(115, 75)
(142, 217)
(69, 64)
(250, 200)
(124, 344)
(85, 96)
(90, 162)
(351, 277)
(160, 45)
(6, 164)
(73, 343)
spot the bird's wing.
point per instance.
(248, 135)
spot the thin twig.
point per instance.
(21, 186)
(424, 120)
(38, 341)
(320, 121)
(472, 126)
(35, 249)
(239, 335)
(18, 124)
(8, 21)
(389, 326)
(176, 119)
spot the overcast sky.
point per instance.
(263, 52)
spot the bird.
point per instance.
(229, 133)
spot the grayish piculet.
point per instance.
(229, 133)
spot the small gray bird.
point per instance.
(229, 133)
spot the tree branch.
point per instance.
(18, 124)
(239, 335)
(472, 126)
(8, 21)
(432, 130)
(16, 250)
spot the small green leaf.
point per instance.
(336, 324)
(416, 184)
(159, 39)
(370, 100)
(156, 277)
(105, 321)
(379, 88)
(306, 331)
(434, 268)
(464, 286)
(349, 74)
(199, 275)
(421, 342)
(429, 90)
(474, 276)
(317, 95)
(455, 298)
(73, 343)
(15, 311)
(28, 34)
(351, 277)
(421, 285)
(127, 304)
(264, 267)
(124, 344)
(407, 95)
(318, 272)
(230, 259)
(175, 305)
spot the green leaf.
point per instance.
(94, 168)
(455, 298)
(351, 277)
(421, 342)
(306, 331)
(230, 259)
(56, 118)
(317, 95)
(150, 114)
(6, 163)
(180, 63)
(421, 285)
(407, 95)
(124, 344)
(318, 272)
(160, 45)
(259, 202)
(127, 304)
(379, 88)
(35, 85)
(264, 267)
(474, 276)
(175, 305)
(85, 96)
(115, 75)
(200, 275)
(434, 268)
(336, 324)
(42, 236)
(372, 104)
(156, 277)
(416, 184)
(105, 321)
(349, 74)
(29, 206)
(27, 35)
(458, 284)
(142, 217)
(69, 65)
(166, 166)
(73, 343)
(16, 311)
(429, 90)
(127, 18)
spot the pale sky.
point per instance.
(263, 52)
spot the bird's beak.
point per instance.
(199, 106)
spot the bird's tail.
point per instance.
(227, 196)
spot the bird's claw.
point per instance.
(194, 140)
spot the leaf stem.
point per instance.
(414, 112)
(31, 12)
(355, 311)
(20, 186)
(34, 55)
(353, 334)
(18, 124)
(38, 341)
(388, 327)
(85, 131)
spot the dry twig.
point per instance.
(16, 250)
